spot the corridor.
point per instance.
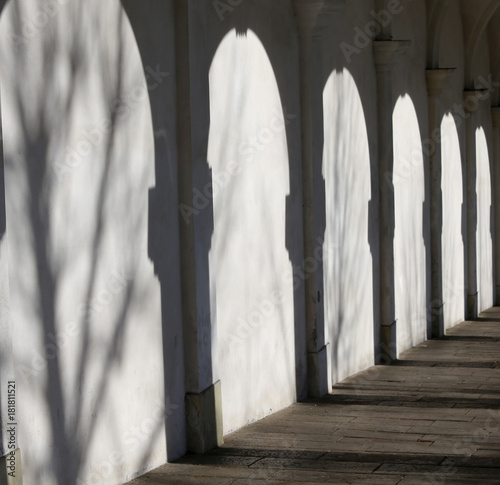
(433, 417)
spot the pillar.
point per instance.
(385, 55)
(306, 13)
(495, 115)
(203, 397)
(472, 102)
(437, 82)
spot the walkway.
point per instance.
(432, 418)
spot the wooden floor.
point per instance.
(431, 418)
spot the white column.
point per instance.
(437, 82)
(307, 15)
(471, 105)
(203, 397)
(495, 115)
(385, 53)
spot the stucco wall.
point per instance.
(347, 191)
(91, 325)
(411, 180)
(254, 243)
(453, 169)
(484, 157)
(88, 331)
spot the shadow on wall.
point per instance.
(5, 334)
(351, 279)
(409, 244)
(249, 264)
(347, 261)
(484, 222)
(452, 239)
(91, 329)
(346, 196)
(253, 220)
(149, 24)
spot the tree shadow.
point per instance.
(149, 25)
(79, 364)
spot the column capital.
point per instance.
(473, 98)
(385, 52)
(438, 80)
(495, 116)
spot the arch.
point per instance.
(484, 223)
(275, 36)
(84, 297)
(347, 263)
(436, 14)
(249, 263)
(476, 20)
(494, 40)
(409, 246)
(453, 251)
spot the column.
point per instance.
(307, 15)
(495, 115)
(203, 397)
(472, 102)
(437, 82)
(385, 56)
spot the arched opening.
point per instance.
(484, 226)
(347, 259)
(453, 251)
(84, 300)
(251, 277)
(409, 247)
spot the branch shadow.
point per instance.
(77, 406)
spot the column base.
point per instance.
(472, 311)
(204, 419)
(317, 373)
(387, 352)
(437, 329)
(11, 469)
(497, 296)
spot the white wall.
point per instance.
(6, 360)
(409, 248)
(484, 223)
(453, 163)
(452, 236)
(251, 278)
(348, 266)
(91, 319)
(482, 137)
(85, 302)
(411, 179)
(344, 109)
